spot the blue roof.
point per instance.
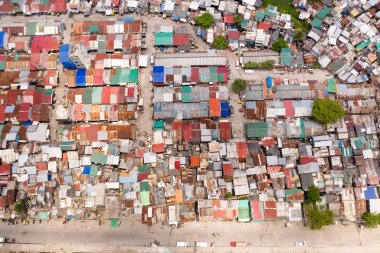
(2, 35)
(158, 74)
(158, 69)
(87, 169)
(64, 57)
(127, 19)
(225, 109)
(81, 78)
(370, 193)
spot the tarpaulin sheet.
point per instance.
(81, 78)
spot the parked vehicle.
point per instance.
(300, 244)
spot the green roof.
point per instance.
(93, 28)
(144, 198)
(316, 22)
(2, 65)
(97, 95)
(322, 13)
(31, 28)
(144, 186)
(271, 11)
(363, 45)
(331, 86)
(99, 158)
(244, 214)
(286, 50)
(94, 170)
(158, 125)
(378, 47)
(260, 15)
(144, 169)
(257, 129)
(87, 96)
(44, 215)
(186, 98)
(163, 39)
(186, 89)
(303, 131)
(68, 145)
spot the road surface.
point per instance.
(132, 235)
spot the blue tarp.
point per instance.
(87, 169)
(81, 78)
(64, 57)
(127, 19)
(269, 82)
(158, 74)
(224, 109)
(2, 35)
(370, 193)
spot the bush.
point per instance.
(220, 42)
(316, 219)
(371, 220)
(327, 111)
(205, 20)
(239, 85)
(312, 196)
(20, 206)
(276, 46)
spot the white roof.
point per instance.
(143, 61)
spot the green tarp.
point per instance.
(158, 125)
(363, 45)
(44, 215)
(331, 87)
(93, 28)
(115, 223)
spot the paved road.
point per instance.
(265, 236)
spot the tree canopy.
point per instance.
(327, 111)
(220, 42)
(317, 219)
(205, 20)
(280, 43)
(239, 85)
(312, 195)
(371, 220)
(264, 65)
(20, 206)
(237, 20)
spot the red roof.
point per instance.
(269, 142)
(307, 159)
(115, 3)
(180, 39)
(289, 109)
(264, 26)
(256, 213)
(233, 35)
(214, 107)
(225, 130)
(59, 6)
(142, 176)
(158, 148)
(195, 74)
(227, 169)
(242, 149)
(228, 19)
(5, 169)
(49, 43)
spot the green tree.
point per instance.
(371, 220)
(228, 195)
(267, 64)
(239, 85)
(312, 195)
(299, 36)
(237, 21)
(205, 20)
(316, 65)
(316, 219)
(20, 206)
(251, 65)
(220, 42)
(276, 46)
(327, 111)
